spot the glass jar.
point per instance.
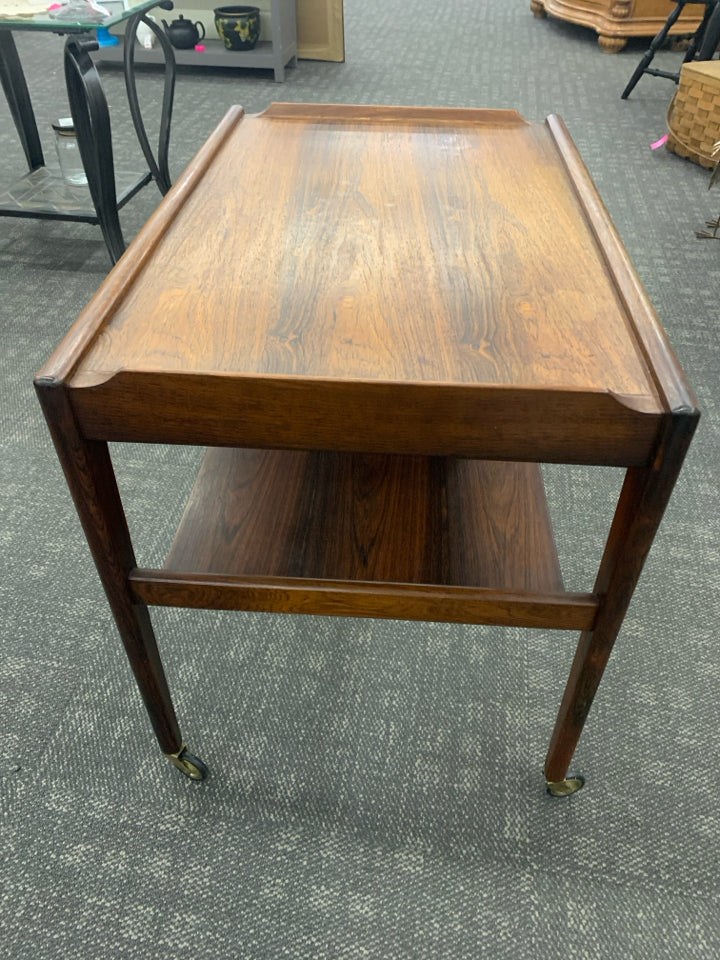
(71, 165)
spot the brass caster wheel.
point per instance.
(190, 766)
(564, 788)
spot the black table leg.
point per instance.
(18, 98)
(89, 110)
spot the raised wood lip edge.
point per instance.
(492, 423)
(342, 112)
(661, 361)
(68, 355)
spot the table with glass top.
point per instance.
(42, 192)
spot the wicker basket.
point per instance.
(694, 114)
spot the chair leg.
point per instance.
(655, 44)
(710, 35)
(158, 166)
(89, 110)
(713, 226)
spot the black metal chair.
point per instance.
(703, 43)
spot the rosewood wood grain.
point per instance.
(328, 515)
(91, 479)
(564, 611)
(446, 263)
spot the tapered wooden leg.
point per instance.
(90, 476)
(642, 503)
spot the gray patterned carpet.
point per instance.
(377, 787)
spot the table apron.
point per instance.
(494, 423)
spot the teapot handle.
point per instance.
(201, 26)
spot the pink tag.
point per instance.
(200, 47)
(659, 143)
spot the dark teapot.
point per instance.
(183, 34)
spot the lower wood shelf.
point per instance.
(427, 538)
(368, 517)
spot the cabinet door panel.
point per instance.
(320, 30)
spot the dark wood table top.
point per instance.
(387, 278)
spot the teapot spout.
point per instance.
(166, 25)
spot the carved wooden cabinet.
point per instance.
(616, 20)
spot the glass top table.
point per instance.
(68, 17)
(42, 192)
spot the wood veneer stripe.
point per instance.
(65, 359)
(377, 518)
(565, 611)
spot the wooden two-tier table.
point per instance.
(379, 321)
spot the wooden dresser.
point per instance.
(616, 20)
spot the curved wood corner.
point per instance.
(652, 341)
(62, 363)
